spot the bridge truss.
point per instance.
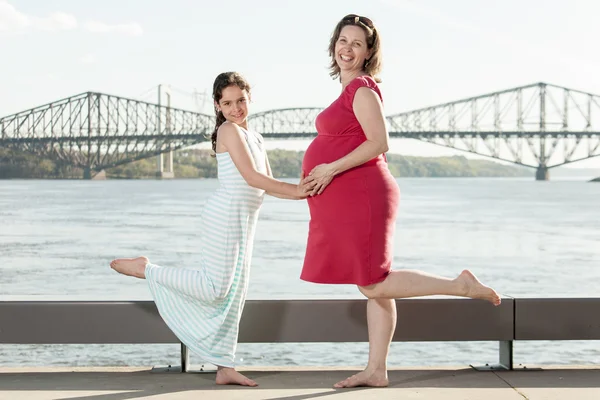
(96, 131)
(541, 126)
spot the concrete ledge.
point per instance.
(272, 321)
(263, 321)
(296, 321)
(557, 319)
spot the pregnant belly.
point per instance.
(326, 149)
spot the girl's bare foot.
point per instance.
(130, 266)
(229, 376)
(477, 290)
(376, 378)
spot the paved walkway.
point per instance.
(556, 383)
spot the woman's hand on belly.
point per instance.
(320, 176)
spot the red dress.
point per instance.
(350, 238)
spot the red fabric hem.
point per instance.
(324, 282)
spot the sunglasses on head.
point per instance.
(355, 19)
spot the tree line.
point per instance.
(198, 163)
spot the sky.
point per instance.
(434, 51)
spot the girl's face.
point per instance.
(234, 104)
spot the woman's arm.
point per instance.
(368, 110)
(232, 139)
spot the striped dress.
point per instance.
(203, 304)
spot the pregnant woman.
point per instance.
(354, 203)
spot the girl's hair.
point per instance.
(373, 65)
(223, 81)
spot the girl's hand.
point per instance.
(304, 188)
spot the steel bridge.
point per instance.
(541, 126)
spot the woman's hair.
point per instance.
(373, 65)
(223, 81)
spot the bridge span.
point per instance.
(541, 126)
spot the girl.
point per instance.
(203, 304)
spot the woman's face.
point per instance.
(351, 48)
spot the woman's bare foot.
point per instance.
(130, 266)
(377, 378)
(229, 376)
(477, 290)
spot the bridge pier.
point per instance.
(165, 166)
(542, 173)
(90, 174)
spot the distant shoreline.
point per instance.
(198, 164)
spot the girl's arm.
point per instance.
(280, 195)
(232, 139)
(369, 112)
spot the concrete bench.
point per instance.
(297, 321)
